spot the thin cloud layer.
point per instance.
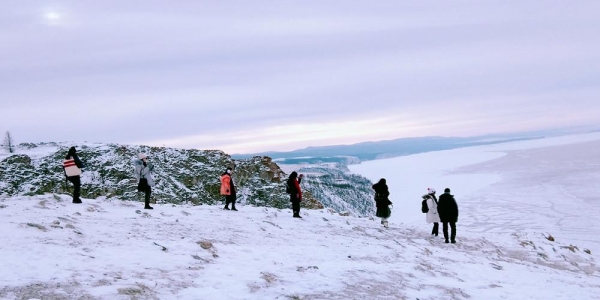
(247, 77)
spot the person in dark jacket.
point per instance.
(228, 189)
(295, 192)
(382, 201)
(73, 166)
(448, 211)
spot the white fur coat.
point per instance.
(432, 215)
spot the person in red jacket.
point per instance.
(228, 189)
(295, 192)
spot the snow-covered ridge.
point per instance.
(181, 175)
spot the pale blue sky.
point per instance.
(248, 76)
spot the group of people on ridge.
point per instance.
(444, 210)
(73, 167)
(292, 188)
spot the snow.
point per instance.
(548, 185)
(510, 196)
(34, 153)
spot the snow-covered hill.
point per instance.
(108, 249)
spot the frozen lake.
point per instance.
(547, 186)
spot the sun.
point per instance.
(52, 16)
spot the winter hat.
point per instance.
(446, 190)
(430, 191)
(142, 155)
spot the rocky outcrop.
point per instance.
(181, 175)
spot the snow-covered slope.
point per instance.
(107, 249)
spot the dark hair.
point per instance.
(293, 175)
(72, 153)
(381, 181)
(446, 190)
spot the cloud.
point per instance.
(270, 76)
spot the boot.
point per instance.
(233, 208)
(226, 207)
(77, 201)
(447, 241)
(147, 200)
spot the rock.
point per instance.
(205, 245)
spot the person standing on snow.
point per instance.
(432, 214)
(228, 189)
(293, 184)
(73, 168)
(382, 201)
(143, 172)
(448, 212)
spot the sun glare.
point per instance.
(52, 16)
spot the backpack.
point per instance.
(424, 208)
(288, 189)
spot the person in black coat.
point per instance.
(448, 212)
(295, 192)
(72, 167)
(382, 201)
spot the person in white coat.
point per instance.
(432, 214)
(143, 173)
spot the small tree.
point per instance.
(9, 143)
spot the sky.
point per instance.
(113, 249)
(251, 76)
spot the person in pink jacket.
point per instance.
(228, 189)
(295, 192)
